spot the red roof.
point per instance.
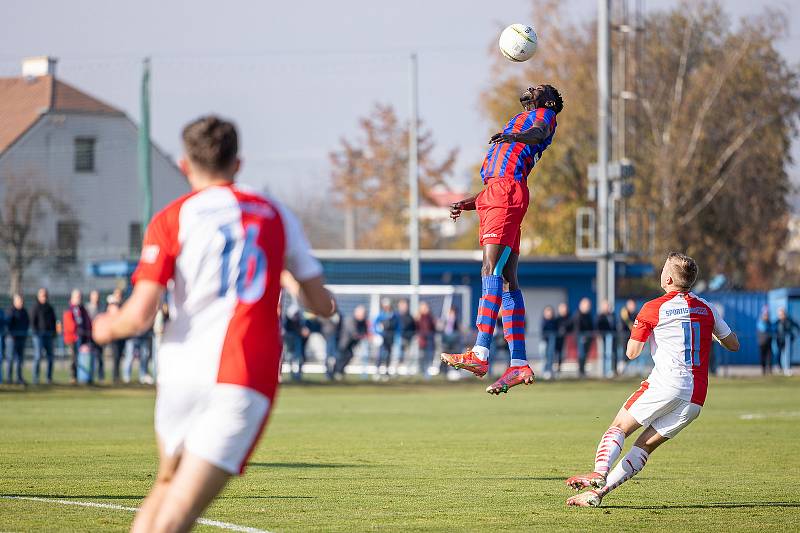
(444, 197)
(24, 100)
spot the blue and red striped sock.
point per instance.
(488, 308)
(514, 326)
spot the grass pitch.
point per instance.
(414, 457)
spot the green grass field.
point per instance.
(414, 457)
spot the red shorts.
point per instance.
(501, 206)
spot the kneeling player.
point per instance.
(683, 326)
(225, 250)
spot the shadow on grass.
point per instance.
(265, 497)
(78, 496)
(305, 465)
(716, 505)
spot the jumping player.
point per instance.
(501, 206)
(683, 326)
(222, 251)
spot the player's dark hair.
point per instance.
(211, 143)
(684, 270)
(551, 94)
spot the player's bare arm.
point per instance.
(532, 136)
(134, 318)
(731, 342)
(634, 349)
(311, 294)
(467, 204)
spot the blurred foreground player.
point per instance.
(225, 250)
(501, 206)
(683, 326)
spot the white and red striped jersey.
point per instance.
(683, 326)
(225, 250)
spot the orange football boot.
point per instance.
(468, 360)
(513, 376)
(584, 481)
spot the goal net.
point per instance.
(320, 350)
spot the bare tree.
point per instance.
(24, 204)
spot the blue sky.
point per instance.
(295, 76)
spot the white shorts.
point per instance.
(662, 409)
(220, 423)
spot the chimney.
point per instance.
(33, 67)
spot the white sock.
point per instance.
(626, 468)
(519, 362)
(608, 450)
(481, 351)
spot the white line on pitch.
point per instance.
(203, 521)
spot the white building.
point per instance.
(57, 138)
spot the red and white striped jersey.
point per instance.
(683, 326)
(225, 250)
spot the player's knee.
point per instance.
(165, 476)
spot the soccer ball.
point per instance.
(518, 42)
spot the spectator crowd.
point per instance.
(389, 343)
(70, 335)
(775, 340)
(393, 339)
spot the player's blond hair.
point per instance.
(683, 270)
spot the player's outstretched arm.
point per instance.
(135, 317)
(537, 133)
(634, 349)
(311, 294)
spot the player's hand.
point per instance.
(101, 328)
(502, 138)
(456, 209)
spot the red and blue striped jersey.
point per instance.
(516, 160)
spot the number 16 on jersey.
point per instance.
(252, 277)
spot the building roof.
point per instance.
(24, 99)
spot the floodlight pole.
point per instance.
(144, 163)
(605, 261)
(413, 187)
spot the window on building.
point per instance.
(135, 238)
(84, 154)
(67, 233)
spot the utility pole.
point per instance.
(605, 260)
(413, 187)
(145, 166)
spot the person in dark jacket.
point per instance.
(77, 329)
(451, 336)
(355, 329)
(426, 337)
(627, 317)
(785, 331)
(18, 324)
(547, 346)
(113, 303)
(406, 329)
(765, 331)
(296, 337)
(607, 328)
(583, 326)
(43, 325)
(331, 330)
(562, 328)
(386, 326)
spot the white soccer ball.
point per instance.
(518, 42)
